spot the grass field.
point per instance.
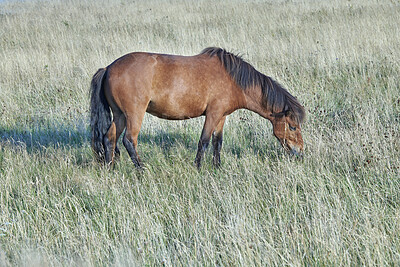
(338, 206)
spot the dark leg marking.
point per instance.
(201, 148)
(132, 151)
(117, 153)
(108, 150)
(217, 145)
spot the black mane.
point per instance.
(245, 76)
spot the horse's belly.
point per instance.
(176, 111)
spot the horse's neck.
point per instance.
(254, 103)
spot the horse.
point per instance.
(213, 84)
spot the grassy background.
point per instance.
(340, 205)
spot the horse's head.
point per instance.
(288, 132)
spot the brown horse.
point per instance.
(214, 84)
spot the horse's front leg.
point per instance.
(209, 126)
(217, 142)
(201, 148)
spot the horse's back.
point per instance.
(170, 86)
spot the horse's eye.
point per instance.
(292, 128)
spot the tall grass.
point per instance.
(340, 205)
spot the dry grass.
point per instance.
(340, 205)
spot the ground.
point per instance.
(339, 205)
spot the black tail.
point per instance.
(100, 114)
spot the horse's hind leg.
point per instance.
(133, 124)
(111, 137)
(109, 142)
(120, 123)
(217, 142)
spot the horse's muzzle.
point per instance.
(296, 152)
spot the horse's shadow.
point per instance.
(37, 138)
(168, 140)
(62, 135)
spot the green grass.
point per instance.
(338, 206)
